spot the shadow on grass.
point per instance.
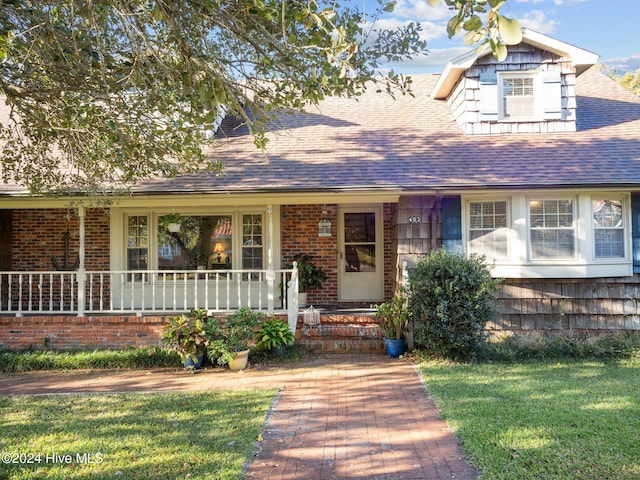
(168, 435)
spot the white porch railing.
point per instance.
(150, 291)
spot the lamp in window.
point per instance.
(218, 251)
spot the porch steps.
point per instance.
(342, 332)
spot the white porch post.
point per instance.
(81, 276)
(271, 274)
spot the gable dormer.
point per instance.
(531, 91)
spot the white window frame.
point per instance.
(153, 224)
(537, 106)
(626, 207)
(574, 228)
(468, 229)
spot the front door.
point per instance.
(361, 266)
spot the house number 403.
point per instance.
(414, 219)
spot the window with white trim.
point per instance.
(518, 99)
(252, 243)
(552, 231)
(137, 242)
(608, 228)
(488, 229)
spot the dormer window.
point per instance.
(518, 99)
(520, 96)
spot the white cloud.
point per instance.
(537, 20)
(624, 64)
(419, 10)
(430, 30)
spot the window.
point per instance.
(518, 97)
(488, 232)
(137, 243)
(552, 231)
(252, 241)
(203, 242)
(608, 224)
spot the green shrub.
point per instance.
(452, 297)
(274, 333)
(96, 359)
(545, 346)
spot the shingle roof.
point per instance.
(413, 143)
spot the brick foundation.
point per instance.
(82, 333)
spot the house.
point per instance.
(533, 162)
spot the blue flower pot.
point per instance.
(394, 348)
(192, 364)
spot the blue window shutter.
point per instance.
(635, 230)
(552, 95)
(452, 224)
(488, 97)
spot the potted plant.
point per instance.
(309, 276)
(171, 222)
(230, 340)
(188, 336)
(274, 335)
(393, 317)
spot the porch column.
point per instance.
(271, 274)
(81, 276)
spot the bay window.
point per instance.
(538, 236)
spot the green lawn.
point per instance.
(544, 420)
(204, 435)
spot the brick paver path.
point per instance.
(336, 416)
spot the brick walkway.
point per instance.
(336, 416)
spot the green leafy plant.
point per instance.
(235, 334)
(274, 333)
(188, 336)
(309, 274)
(452, 298)
(168, 218)
(393, 317)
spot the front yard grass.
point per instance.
(543, 420)
(202, 435)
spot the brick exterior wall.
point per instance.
(38, 235)
(299, 225)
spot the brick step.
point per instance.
(351, 337)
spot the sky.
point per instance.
(605, 27)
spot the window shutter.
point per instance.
(552, 96)
(488, 92)
(452, 224)
(635, 230)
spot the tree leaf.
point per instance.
(389, 7)
(510, 30)
(474, 23)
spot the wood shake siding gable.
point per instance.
(474, 101)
